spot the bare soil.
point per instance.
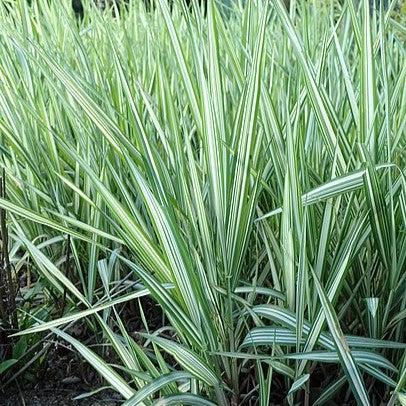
(55, 397)
(57, 381)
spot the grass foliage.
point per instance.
(243, 168)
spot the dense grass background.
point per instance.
(245, 170)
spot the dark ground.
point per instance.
(59, 379)
(63, 374)
(55, 397)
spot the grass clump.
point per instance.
(245, 169)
